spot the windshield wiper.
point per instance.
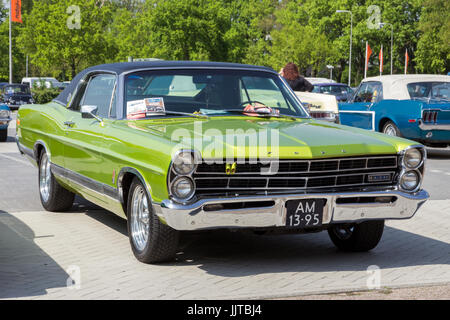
(261, 114)
(195, 115)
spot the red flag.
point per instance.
(16, 11)
(406, 61)
(369, 53)
(380, 56)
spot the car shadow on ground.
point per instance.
(236, 254)
(25, 269)
(438, 154)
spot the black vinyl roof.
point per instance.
(124, 67)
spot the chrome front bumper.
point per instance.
(195, 217)
(436, 126)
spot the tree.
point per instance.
(433, 48)
(59, 43)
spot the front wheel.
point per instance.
(53, 196)
(391, 129)
(357, 237)
(151, 240)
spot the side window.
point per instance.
(99, 93)
(369, 92)
(360, 93)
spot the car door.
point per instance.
(361, 110)
(84, 136)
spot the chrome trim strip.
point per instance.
(242, 161)
(86, 182)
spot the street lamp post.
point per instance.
(350, 56)
(382, 24)
(331, 71)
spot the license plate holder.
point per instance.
(305, 213)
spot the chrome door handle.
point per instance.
(70, 124)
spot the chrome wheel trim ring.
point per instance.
(45, 178)
(390, 130)
(343, 232)
(140, 218)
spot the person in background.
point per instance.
(294, 79)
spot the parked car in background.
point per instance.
(415, 107)
(42, 81)
(341, 91)
(320, 106)
(5, 118)
(15, 95)
(150, 141)
(320, 80)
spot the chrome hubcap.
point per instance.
(45, 178)
(390, 130)
(343, 232)
(140, 216)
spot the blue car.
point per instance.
(415, 107)
(341, 91)
(5, 118)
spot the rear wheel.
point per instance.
(151, 240)
(357, 237)
(53, 196)
(391, 129)
(3, 135)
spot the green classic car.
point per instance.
(182, 146)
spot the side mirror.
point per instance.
(88, 112)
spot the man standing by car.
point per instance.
(294, 79)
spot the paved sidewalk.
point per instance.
(38, 251)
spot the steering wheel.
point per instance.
(252, 102)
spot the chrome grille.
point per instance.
(297, 174)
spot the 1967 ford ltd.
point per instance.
(180, 146)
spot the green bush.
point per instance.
(44, 95)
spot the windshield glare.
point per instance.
(152, 93)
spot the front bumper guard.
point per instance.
(195, 217)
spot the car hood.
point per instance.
(302, 138)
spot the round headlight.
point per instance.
(184, 163)
(412, 158)
(409, 181)
(183, 188)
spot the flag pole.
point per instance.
(381, 60)
(365, 64)
(10, 44)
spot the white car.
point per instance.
(39, 81)
(320, 106)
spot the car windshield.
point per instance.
(20, 89)
(207, 92)
(432, 90)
